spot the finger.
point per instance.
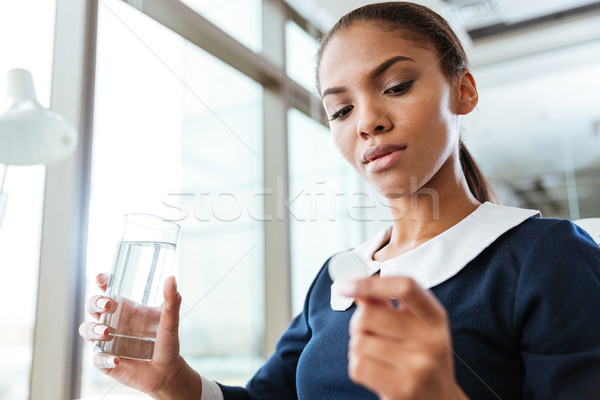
(169, 319)
(406, 291)
(105, 361)
(412, 369)
(377, 318)
(96, 305)
(92, 331)
(397, 355)
(102, 281)
(376, 376)
(403, 324)
(385, 350)
(167, 338)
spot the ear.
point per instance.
(467, 97)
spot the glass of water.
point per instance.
(143, 261)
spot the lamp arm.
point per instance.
(3, 178)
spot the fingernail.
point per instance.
(346, 288)
(174, 284)
(102, 302)
(112, 362)
(100, 330)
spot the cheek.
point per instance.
(344, 143)
(447, 117)
(430, 119)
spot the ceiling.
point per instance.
(536, 130)
(476, 14)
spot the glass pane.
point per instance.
(19, 255)
(546, 156)
(178, 134)
(301, 56)
(26, 41)
(324, 190)
(241, 19)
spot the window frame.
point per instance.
(56, 360)
(57, 348)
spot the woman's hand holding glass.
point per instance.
(167, 375)
(400, 348)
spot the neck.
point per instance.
(443, 202)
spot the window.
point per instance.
(19, 256)
(178, 134)
(323, 188)
(301, 56)
(241, 19)
(21, 227)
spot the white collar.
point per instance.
(456, 246)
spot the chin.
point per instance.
(398, 186)
(391, 191)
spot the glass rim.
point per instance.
(170, 222)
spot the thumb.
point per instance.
(167, 338)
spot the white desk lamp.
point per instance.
(29, 133)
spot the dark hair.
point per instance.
(419, 23)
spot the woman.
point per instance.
(487, 300)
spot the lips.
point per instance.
(380, 150)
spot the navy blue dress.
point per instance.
(524, 316)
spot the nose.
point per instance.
(374, 119)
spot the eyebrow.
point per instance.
(380, 69)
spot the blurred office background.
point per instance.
(205, 111)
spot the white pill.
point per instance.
(347, 265)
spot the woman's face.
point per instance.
(387, 95)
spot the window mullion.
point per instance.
(55, 371)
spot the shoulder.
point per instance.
(553, 252)
(318, 291)
(540, 237)
(559, 279)
(555, 241)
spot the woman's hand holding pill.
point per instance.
(400, 342)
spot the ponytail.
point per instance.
(478, 185)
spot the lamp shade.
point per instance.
(30, 134)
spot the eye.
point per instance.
(400, 89)
(341, 113)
